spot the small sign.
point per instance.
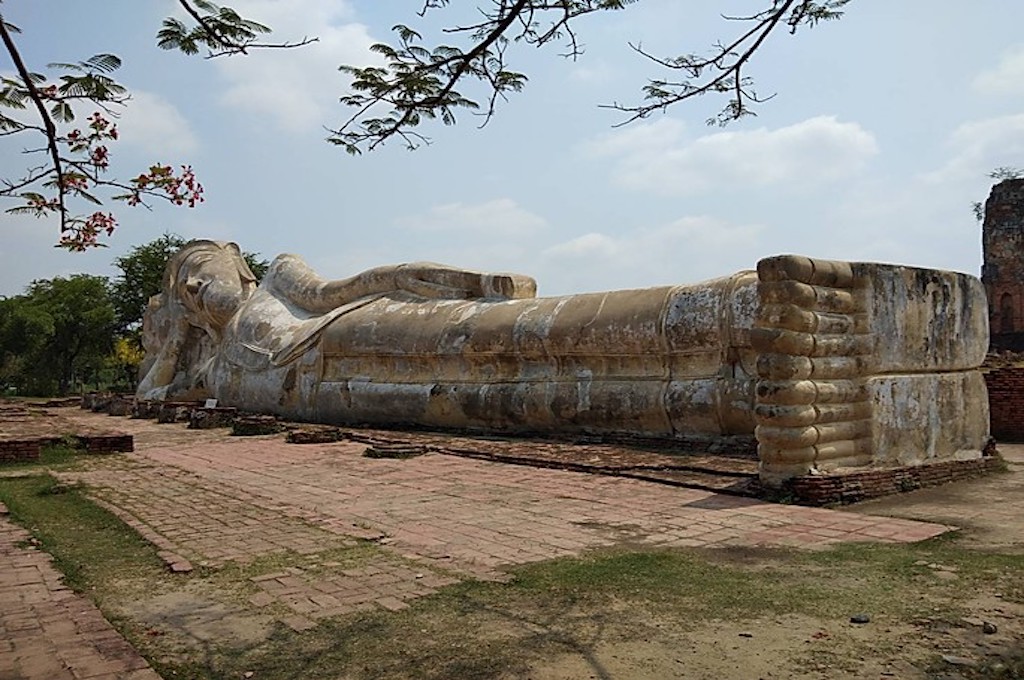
(211, 403)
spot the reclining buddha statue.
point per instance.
(827, 364)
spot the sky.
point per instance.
(880, 136)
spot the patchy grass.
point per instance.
(487, 630)
(575, 606)
(92, 547)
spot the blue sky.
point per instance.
(880, 137)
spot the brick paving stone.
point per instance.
(214, 499)
(262, 599)
(47, 632)
(298, 623)
(391, 603)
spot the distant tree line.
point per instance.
(68, 334)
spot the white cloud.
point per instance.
(596, 73)
(501, 216)
(981, 145)
(587, 246)
(152, 124)
(297, 88)
(1007, 77)
(656, 157)
(685, 250)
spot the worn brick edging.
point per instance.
(859, 486)
(166, 550)
(51, 632)
(1006, 402)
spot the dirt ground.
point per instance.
(985, 638)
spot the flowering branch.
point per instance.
(77, 160)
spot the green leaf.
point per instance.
(62, 112)
(107, 63)
(89, 197)
(7, 124)
(207, 6)
(173, 36)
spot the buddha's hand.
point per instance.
(442, 282)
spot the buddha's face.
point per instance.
(210, 284)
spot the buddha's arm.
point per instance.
(297, 282)
(164, 368)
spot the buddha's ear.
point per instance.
(193, 285)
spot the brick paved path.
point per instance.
(206, 498)
(471, 516)
(47, 632)
(475, 516)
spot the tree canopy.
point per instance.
(419, 80)
(64, 332)
(56, 334)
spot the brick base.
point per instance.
(1006, 402)
(19, 451)
(175, 411)
(120, 406)
(203, 418)
(247, 426)
(311, 434)
(860, 486)
(143, 408)
(107, 443)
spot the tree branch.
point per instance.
(51, 129)
(419, 83)
(229, 45)
(214, 33)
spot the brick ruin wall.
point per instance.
(1006, 402)
(1003, 268)
(19, 450)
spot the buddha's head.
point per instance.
(211, 280)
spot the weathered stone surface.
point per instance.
(867, 364)
(828, 364)
(100, 402)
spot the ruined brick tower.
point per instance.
(1003, 268)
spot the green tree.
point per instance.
(142, 271)
(23, 331)
(58, 333)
